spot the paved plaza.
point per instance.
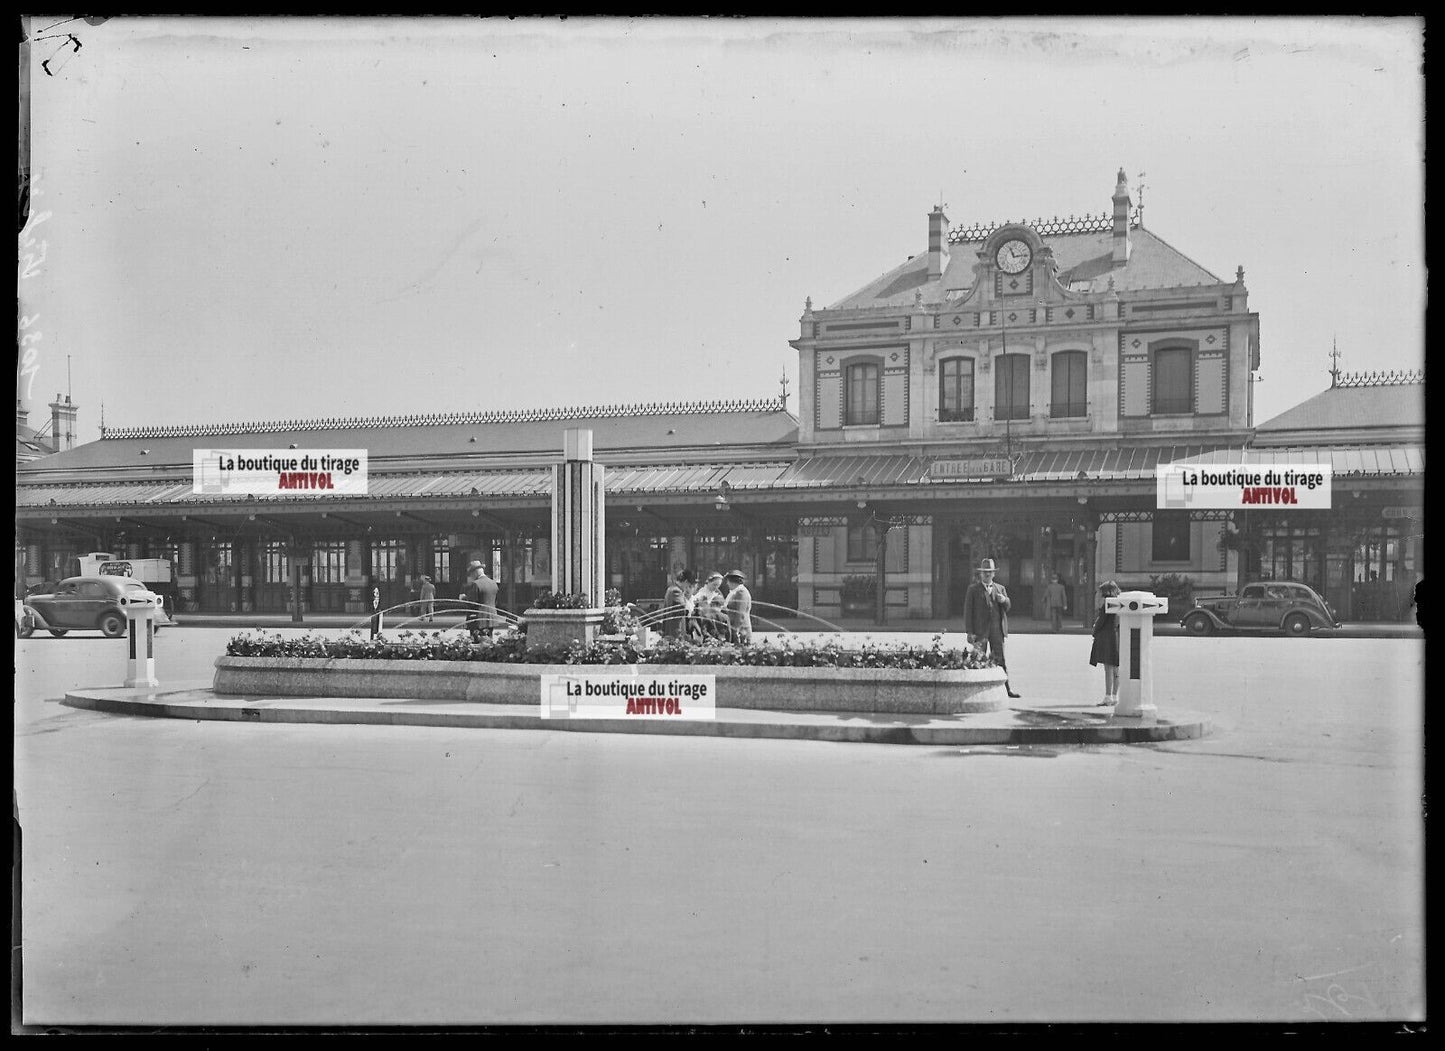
(185, 873)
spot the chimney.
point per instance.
(62, 423)
(1121, 219)
(937, 242)
(22, 415)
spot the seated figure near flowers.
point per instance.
(709, 616)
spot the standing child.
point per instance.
(1106, 644)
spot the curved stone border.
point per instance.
(1018, 727)
(881, 690)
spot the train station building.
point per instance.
(1006, 393)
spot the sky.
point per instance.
(264, 219)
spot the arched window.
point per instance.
(1011, 387)
(1173, 380)
(861, 399)
(955, 390)
(1070, 390)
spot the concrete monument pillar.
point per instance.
(578, 520)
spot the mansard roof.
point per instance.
(730, 429)
(1083, 250)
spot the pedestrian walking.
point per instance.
(1105, 650)
(481, 591)
(985, 617)
(1056, 602)
(428, 599)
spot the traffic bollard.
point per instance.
(1136, 611)
(140, 615)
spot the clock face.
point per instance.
(1013, 256)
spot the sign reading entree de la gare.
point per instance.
(628, 695)
(982, 467)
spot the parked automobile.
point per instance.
(87, 604)
(1272, 605)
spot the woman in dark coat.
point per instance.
(1106, 644)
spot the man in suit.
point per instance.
(482, 591)
(985, 616)
(739, 607)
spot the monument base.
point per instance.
(562, 627)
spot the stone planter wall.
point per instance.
(883, 690)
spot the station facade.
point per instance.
(1008, 394)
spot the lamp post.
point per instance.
(882, 525)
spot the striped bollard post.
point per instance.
(140, 615)
(1136, 611)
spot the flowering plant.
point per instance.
(557, 600)
(511, 648)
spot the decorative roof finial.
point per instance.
(1335, 363)
(808, 305)
(783, 380)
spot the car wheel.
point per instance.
(1296, 624)
(112, 625)
(59, 632)
(1199, 624)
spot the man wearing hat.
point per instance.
(739, 607)
(482, 590)
(985, 616)
(428, 593)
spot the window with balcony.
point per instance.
(1070, 389)
(1011, 387)
(955, 390)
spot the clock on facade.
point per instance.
(1013, 257)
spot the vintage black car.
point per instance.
(87, 604)
(1272, 605)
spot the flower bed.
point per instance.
(512, 649)
(423, 666)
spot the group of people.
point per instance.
(985, 616)
(721, 607)
(718, 608)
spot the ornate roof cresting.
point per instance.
(579, 412)
(1083, 224)
(1392, 378)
